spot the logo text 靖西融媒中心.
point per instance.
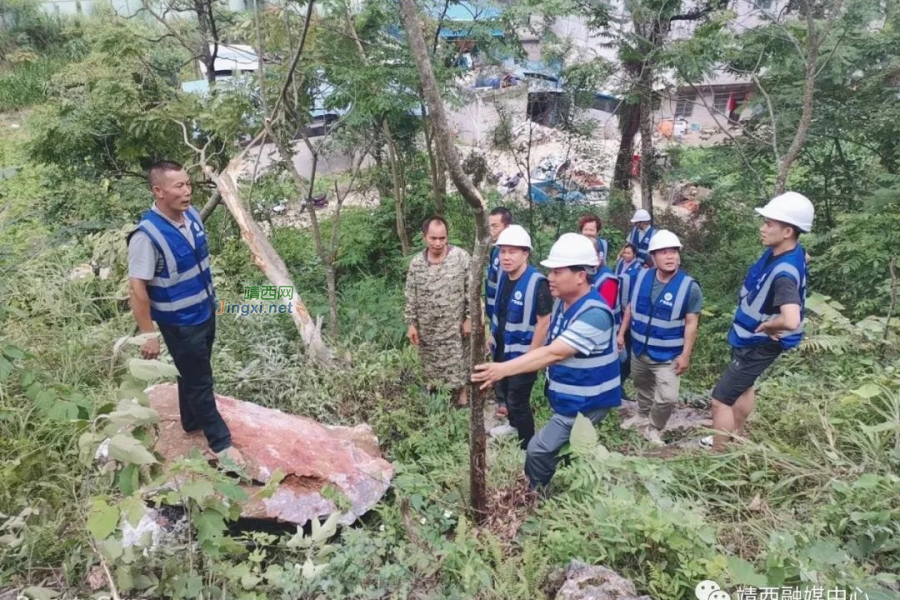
(710, 590)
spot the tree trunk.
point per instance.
(448, 151)
(267, 259)
(210, 205)
(399, 189)
(647, 158)
(436, 167)
(629, 124)
(809, 89)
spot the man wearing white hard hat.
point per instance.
(662, 314)
(519, 324)
(770, 312)
(580, 356)
(641, 233)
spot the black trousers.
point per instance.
(191, 349)
(626, 366)
(515, 391)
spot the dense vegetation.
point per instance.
(812, 499)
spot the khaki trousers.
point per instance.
(656, 386)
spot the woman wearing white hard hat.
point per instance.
(519, 323)
(770, 312)
(580, 356)
(641, 233)
(662, 316)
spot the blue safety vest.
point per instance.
(490, 284)
(583, 382)
(182, 292)
(626, 272)
(521, 314)
(658, 328)
(642, 244)
(754, 294)
(602, 246)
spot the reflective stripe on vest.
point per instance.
(658, 328)
(182, 292)
(518, 331)
(490, 284)
(584, 382)
(602, 247)
(757, 289)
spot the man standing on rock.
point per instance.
(641, 233)
(519, 324)
(770, 313)
(580, 356)
(437, 308)
(171, 283)
(662, 316)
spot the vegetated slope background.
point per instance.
(813, 498)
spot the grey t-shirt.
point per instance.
(695, 297)
(144, 260)
(784, 291)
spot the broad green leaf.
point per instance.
(111, 549)
(148, 370)
(40, 593)
(886, 426)
(869, 390)
(320, 533)
(198, 490)
(248, 581)
(132, 509)
(210, 525)
(12, 352)
(63, 411)
(583, 437)
(826, 553)
(103, 519)
(128, 479)
(128, 450)
(5, 368)
(310, 570)
(129, 412)
(743, 573)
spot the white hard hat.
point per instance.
(514, 235)
(791, 208)
(663, 239)
(572, 250)
(641, 215)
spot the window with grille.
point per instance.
(684, 105)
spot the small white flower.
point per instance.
(448, 514)
(381, 528)
(423, 520)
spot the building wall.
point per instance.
(475, 122)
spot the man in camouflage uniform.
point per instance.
(437, 309)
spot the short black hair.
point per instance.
(632, 247)
(427, 223)
(159, 167)
(505, 215)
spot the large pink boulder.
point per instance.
(311, 456)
